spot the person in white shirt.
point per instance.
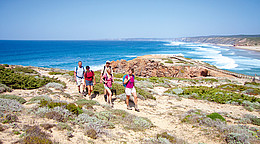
(79, 75)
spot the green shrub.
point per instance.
(71, 73)
(169, 61)
(118, 75)
(56, 73)
(255, 121)
(14, 97)
(145, 93)
(9, 118)
(34, 135)
(6, 65)
(71, 106)
(55, 116)
(165, 135)
(82, 102)
(240, 88)
(215, 116)
(252, 83)
(24, 70)
(4, 88)
(16, 80)
(217, 95)
(64, 126)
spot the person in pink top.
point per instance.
(130, 89)
(108, 80)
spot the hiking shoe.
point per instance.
(129, 108)
(136, 109)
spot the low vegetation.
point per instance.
(14, 97)
(21, 80)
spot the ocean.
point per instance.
(66, 54)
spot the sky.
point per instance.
(113, 19)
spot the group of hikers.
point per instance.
(86, 77)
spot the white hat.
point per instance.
(107, 61)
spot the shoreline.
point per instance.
(251, 48)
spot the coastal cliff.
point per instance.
(235, 40)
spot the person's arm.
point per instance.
(126, 80)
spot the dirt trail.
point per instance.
(164, 114)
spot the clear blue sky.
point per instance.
(108, 19)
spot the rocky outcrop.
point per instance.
(152, 68)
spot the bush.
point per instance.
(82, 102)
(55, 116)
(56, 86)
(71, 107)
(64, 126)
(35, 135)
(39, 98)
(215, 116)
(118, 75)
(167, 136)
(4, 88)
(16, 80)
(10, 118)
(7, 105)
(14, 97)
(237, 138)
(240, 88)
(56, 73)
(145, 93)
(217, 95)
(24, 70)
(118, 87)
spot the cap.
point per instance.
(87, 67)
(107, 61)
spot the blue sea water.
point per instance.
(66, 54)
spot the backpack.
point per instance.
(77, 70)
(92, 74)
(124, 79)
(104, 69)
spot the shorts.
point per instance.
(129, 91)
(79, 81)
(89, 83)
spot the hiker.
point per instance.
(79, 75)
(129, 84)
(90, 80)
(103, 72)
(108, 79)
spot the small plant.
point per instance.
(64, 126)
(16, 132)
(56, 86)
(8, 105)
(56, 73)
(91, 133)
(10, 118)
(55, 116)
(215, 116)
(14, 97)
(4, 88)
(167, 136)
(34, 135)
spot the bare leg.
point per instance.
(89, 92)
(109, 96)
(135, 101)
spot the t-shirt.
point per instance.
(79, 72)
(109, 80)
(130, 83)
(103, 72)
(89, 75)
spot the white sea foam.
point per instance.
(175, 43)
(96, 67)
(130, 56)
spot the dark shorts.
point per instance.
(89, 83)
